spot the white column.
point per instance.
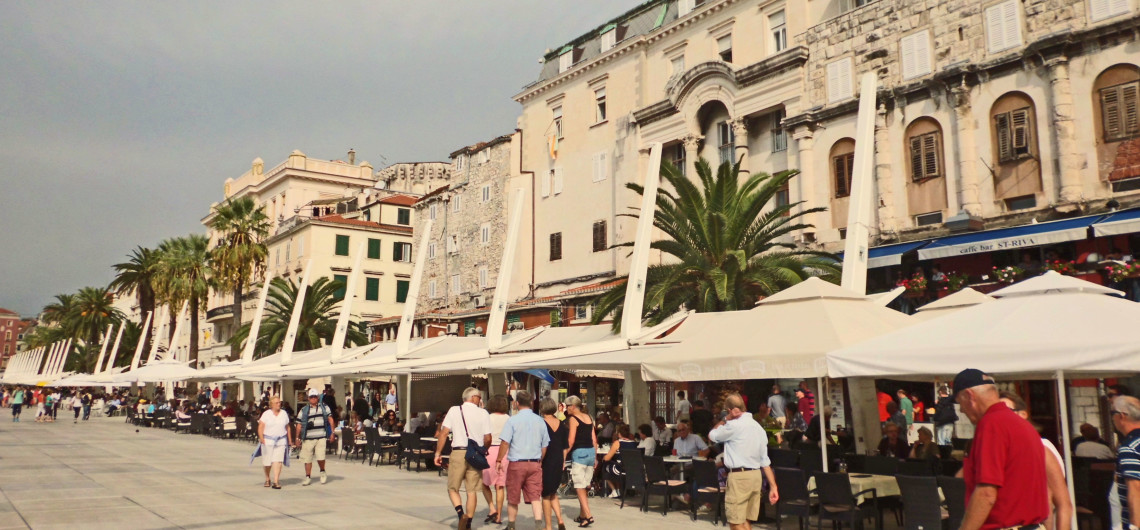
(346, 305)
(295, 318)
(255, 325)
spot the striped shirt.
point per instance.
(1127, 468)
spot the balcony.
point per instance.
(220, 312)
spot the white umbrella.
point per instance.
(965, 298)
(157, 372)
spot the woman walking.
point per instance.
(493, 478)
(554, 462)
(276, 439)
(583, 455)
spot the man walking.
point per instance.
(469, 424)
(17, 403)
(1126, 502)
(805, 402)
(313, 428)
(390, 399)
(1005, 470)
(778, 405)
(944, 419)
(746, 459)
(524, 440)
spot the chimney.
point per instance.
(351, 156)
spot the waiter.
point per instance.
(746, 458)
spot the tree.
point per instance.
(729, 244)
(92, 312)
(137, 275)
(240, 252)
(185, 268)
(83, 317)
(317, 325)
(57, 311)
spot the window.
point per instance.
(844, 169)
(558, 122)
(678, 155)
(402, 291)
(403, 252)
(556, 177)
(684, 7)
(456, 200)
(342, 280)
(431, 250)
(724, 48)
(1119, 108)
(1105, 9)
(600, 105)
(278, 263)
(609, 39)
(300, 247)
(925, 155)
(403, 216)
(454, 283)
(599, 236)
(927, 219)
(779, 135)
(1021, 203)
(372, 289)
(566, 60)
(601, 169)
(288, 250)
(483, 277)
(432, 293)
(546, 181)
(556, 246)
(485, 233)
(1013, 135)
(452, 244)
(839, 86)
(341, 246)
(915, 55)
(460, 162)
(724, 142)
(1003, 27)
(486, 193)
(432, 211)
(678, 64)
(782, 197)
(368, 214)
(555, 318)
(581, 312)
(779, 31)
(373, 248)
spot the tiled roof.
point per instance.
(398, 200)
(472, 149)
(7, 312)
(433, 193)
(600, 286)
(337, 219)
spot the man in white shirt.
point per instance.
(1093, 446)
(416, 423)
(662, 435)
(468, 423)
(683, 406)
(746, 458)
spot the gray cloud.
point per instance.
(119, 121)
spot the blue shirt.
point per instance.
(1127, 468)
(527, 436)
(745, 443)
(390, 399)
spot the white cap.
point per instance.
(313, 392)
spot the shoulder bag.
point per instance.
(476, 456)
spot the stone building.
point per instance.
(418, 178)
(12, 329)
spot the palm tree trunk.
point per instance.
(194, 331)
(234, 351)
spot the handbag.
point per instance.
(476, 456)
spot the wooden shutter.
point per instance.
(839, 80)
(557, 180)
(1129, 103)
(1003, 29)
(916, 172)
(930, 155)
(599, 236)
(402, 291)
(556, 246)
(372, 289)
(341, 245)
(373, 248)
(915, 55)
(1110, 110)
(1020, 131)
(398, 252)
(1005, 147)
(339, 293)
(842, 172)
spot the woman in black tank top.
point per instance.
(583, 455)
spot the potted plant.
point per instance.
(915, 286)
(1068, 268)
(956, 281)
(1008, 274)
(1118, 272)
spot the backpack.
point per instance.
(86, 399)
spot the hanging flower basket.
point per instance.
(1009, 274)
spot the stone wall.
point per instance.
(419, 178)
(1083, 407)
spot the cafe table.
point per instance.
(682, 461)
(884, 485)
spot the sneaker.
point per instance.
(615, 494)
(324, 477)
(306, 481)
(703, 509)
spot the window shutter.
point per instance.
(402, 291)
(1110, 109)
(1117, 7)
(839, 80)
(600, 167)
(342, 279)
(599, 236)
(373, 248)
(397, 252)
(556, 246)
(916, 158)
(906, 45)
(996, 37)
(841, 176)
(557, 180)
(1129, 96)
(833, 82)
(685, 6)
(1012, 24)
(372, 289)
(1098, 10)
(547, 177)
(1019, 121)
(921, 44)
(609, 39)
(930, 167)
(341, 245)
(1005, 149)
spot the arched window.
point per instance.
(1116, 97)
(1016, 167)
(926, 169)
(842, 167)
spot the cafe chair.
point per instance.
(413, 451)
(659, 483)
(182, 425)
(811, 461)
(783, 458)
(371, 445)
(1100, 482)
(387, 446)
(922, 508)
(917, 468)
(950, 468)
(954, 491)
(229, 427)
(838, 505)
(795, 498)
(633, 460)
(706, 489)
(856, 463)
(882, 465)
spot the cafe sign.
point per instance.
(946, 248)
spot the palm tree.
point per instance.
(92, 312)
(186, 276)
(318, 321)
(728, 243)
(240, 251)
(57, 311)
(137, 275)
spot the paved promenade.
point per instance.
(101, 474)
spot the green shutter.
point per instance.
(339, 293)
(373, 248)
(402, 291)
(397, 252)
(341, 245)
(556, 318)
(468, 328)
(404, 216)
(372, 289)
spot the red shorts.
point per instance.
(524, 478)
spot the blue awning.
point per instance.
(1119, 223)
(1026, 236)
(888, 255)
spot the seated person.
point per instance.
(182, 414)
(388, 422)
(924, 448)
(113, 406)
(661, 432)
(416, 423)
(893, 444)
(647, 444)
(687, 444)
(613, 467)
(1092, 446)
(605, 428)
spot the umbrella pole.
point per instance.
(1065, 437)
(820, 409)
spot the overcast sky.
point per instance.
(120, 121)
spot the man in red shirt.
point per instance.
(884, 398)
(1005, 471)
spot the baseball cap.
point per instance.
(313, 392)
(969, 378)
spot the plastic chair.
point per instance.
(706, 488)
(659, 483)
(839, 505)
(633, 460)
(922, 509)
(795, 498)
(954, 491)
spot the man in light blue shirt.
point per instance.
(524, 440)
(390, 399)
(746, 458)
(688, 444)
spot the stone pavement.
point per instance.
(101, 474)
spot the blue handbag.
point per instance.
(476, 456)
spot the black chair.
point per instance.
(811, 460)
(917, 468)
(1096, 508)
(413, 451)
(882, 465)
(659, 483)
(922, 509)
(347, 441)
(387, 446)
(706, 488)
(838, 505)
(795, 499)
(633, 460)
(371, 445)
(130, 413)
(856, 463)
(242, 426)
(229, 428)
(954, 491)
(783, 458)
(183, 425)
(950, 468)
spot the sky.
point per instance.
(120, 121)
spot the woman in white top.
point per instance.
(493, 478)
(276, 438)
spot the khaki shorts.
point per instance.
(744, 495)
(312, 448)
(459, 473)
(581, 475)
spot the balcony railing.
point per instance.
(220, 311)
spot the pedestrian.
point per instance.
(746, 459)
(683, 406)
(944, 419)
(906, 406)
(805, 402)
(390, 400)
(274, 434)
(1061, 507)
(468, 424)
(553, 462)
(1125, 502)
(360, 406)
(524, 441)
(57, 399)
(86, 400)
(314, 427)
(38, 399)
(1005, 469)
(17, 403)
(583, 441)
(76, 405)
(49, 402)
(700, 418)
(778, 404)
(494, 477)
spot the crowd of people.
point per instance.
(44, 403)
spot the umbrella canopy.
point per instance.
(301, 363)
(965, 298)
(1036, 327)
(157, 372)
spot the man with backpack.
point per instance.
(86, 400)
(313, 428)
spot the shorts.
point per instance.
(274, 452)
(491, 476)
(313, 448)
(745, 491)
(524, 479)
(581, 475)
(459, 472)
(16, 408)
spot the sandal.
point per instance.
(586, 522)
(276, 486)
(267, 483)
(490, 518)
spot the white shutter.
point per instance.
(1012, 24)
(995, 36)
(545, 178)
(609, 39)
(839, 80)
(557, 180)
(1104, 9)
(600, 167)
(1118, 7)
(685, 6)
(565, 61)
(1003, 26)
(915, 55)
(906, 50)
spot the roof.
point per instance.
(434, 193)
(640, 20)
(475, 148)
(6, 312)
(337, 219)
(399, 200)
